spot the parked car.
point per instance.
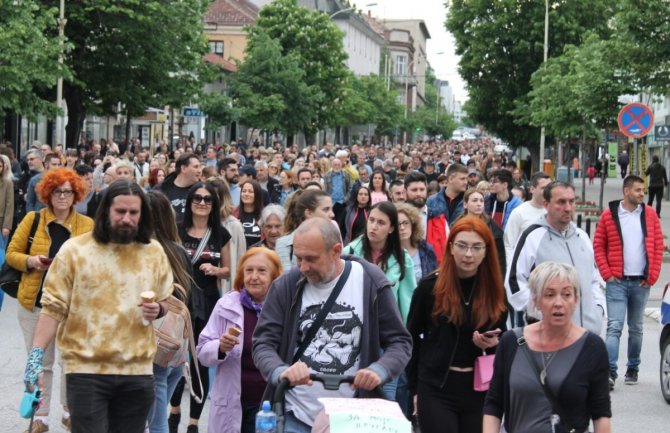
(665, 344)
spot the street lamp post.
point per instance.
(546, 51)
(409, 68)
(369, 5)
(60, 129)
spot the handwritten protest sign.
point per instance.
(364, 416)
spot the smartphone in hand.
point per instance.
(491, 333)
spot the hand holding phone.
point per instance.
(491, 333)
(45, 260)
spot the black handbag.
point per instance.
(10, 277)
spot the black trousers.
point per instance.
(101, 403)
(457, 408)
(657, 193)
(195, 409)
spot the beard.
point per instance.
(417, 202)
(122, 234)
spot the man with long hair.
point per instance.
(95, 304)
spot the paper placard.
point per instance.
(360, 423)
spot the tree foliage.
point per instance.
(316, 44)
(133, 53)
(29, 50)
(642, 32)
(576, 90)
(270, 89)
(501, 46)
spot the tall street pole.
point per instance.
(60, 128)
(546, 52)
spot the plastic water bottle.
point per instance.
(266, 419)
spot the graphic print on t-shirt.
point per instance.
(336, 345)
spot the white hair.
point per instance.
(7, 174)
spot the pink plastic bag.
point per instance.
(483, 372)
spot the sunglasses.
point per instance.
(207, 199)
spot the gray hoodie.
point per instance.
(541, 243)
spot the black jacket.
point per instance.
(433, 343)
(657, 175)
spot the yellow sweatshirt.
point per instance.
(93, 290)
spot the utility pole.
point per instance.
(60, 127)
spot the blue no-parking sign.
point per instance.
(635, 120)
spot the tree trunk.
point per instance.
(582, 150)
(75, 114)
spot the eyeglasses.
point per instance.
(62, 193)
(404, 223)
(476, 249)
(207, 199)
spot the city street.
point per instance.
(630, 404)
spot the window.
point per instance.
(401, 65)
(216, 47)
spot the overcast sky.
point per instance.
(434, 13)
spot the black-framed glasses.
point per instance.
(62, 193)
(207, 199)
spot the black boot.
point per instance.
(173, 422)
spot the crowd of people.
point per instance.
(397, 265)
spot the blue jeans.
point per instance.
(294, 425)
(165, 381)
(625, 296)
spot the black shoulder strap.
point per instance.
(558, 409)
(309, 335)
(33, 229)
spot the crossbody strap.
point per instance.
(33, 229)
(318, 321)
(521, 340)
(201, 246)
(194, 359)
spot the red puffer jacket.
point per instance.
(608, 245)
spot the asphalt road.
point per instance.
(635, 408)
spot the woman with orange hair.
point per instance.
(60, 189)
(456, 314)
(225, 343)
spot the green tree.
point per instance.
(29, 50)
(576, 90)
(642, 31)
(218, 108)
(317, 46)
(501, 46)
(270, 90)
(132, 53)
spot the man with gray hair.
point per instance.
(262, 176)
(285, 347)
(271, 223)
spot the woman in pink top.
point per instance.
(378, 191)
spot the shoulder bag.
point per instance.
(10, 277)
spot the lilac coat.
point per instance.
(225, 414)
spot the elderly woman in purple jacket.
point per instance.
(238, 386)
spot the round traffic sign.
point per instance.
(635, 120)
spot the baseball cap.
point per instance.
(472, 171)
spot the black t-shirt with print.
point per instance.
(206, 285)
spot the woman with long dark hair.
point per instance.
(207, 244)
(456, 313)
(357, 214)
(380, 244)
(378, 191)
(249, 210)
(166, 233)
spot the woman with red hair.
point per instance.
(60, 189)
(225, 343)
(457, 313)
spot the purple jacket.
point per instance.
(225, 414)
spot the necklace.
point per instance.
(472, 292)
(548, 357)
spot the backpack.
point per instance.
(174, 338)
(172, 334)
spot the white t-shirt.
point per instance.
(336, 346)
